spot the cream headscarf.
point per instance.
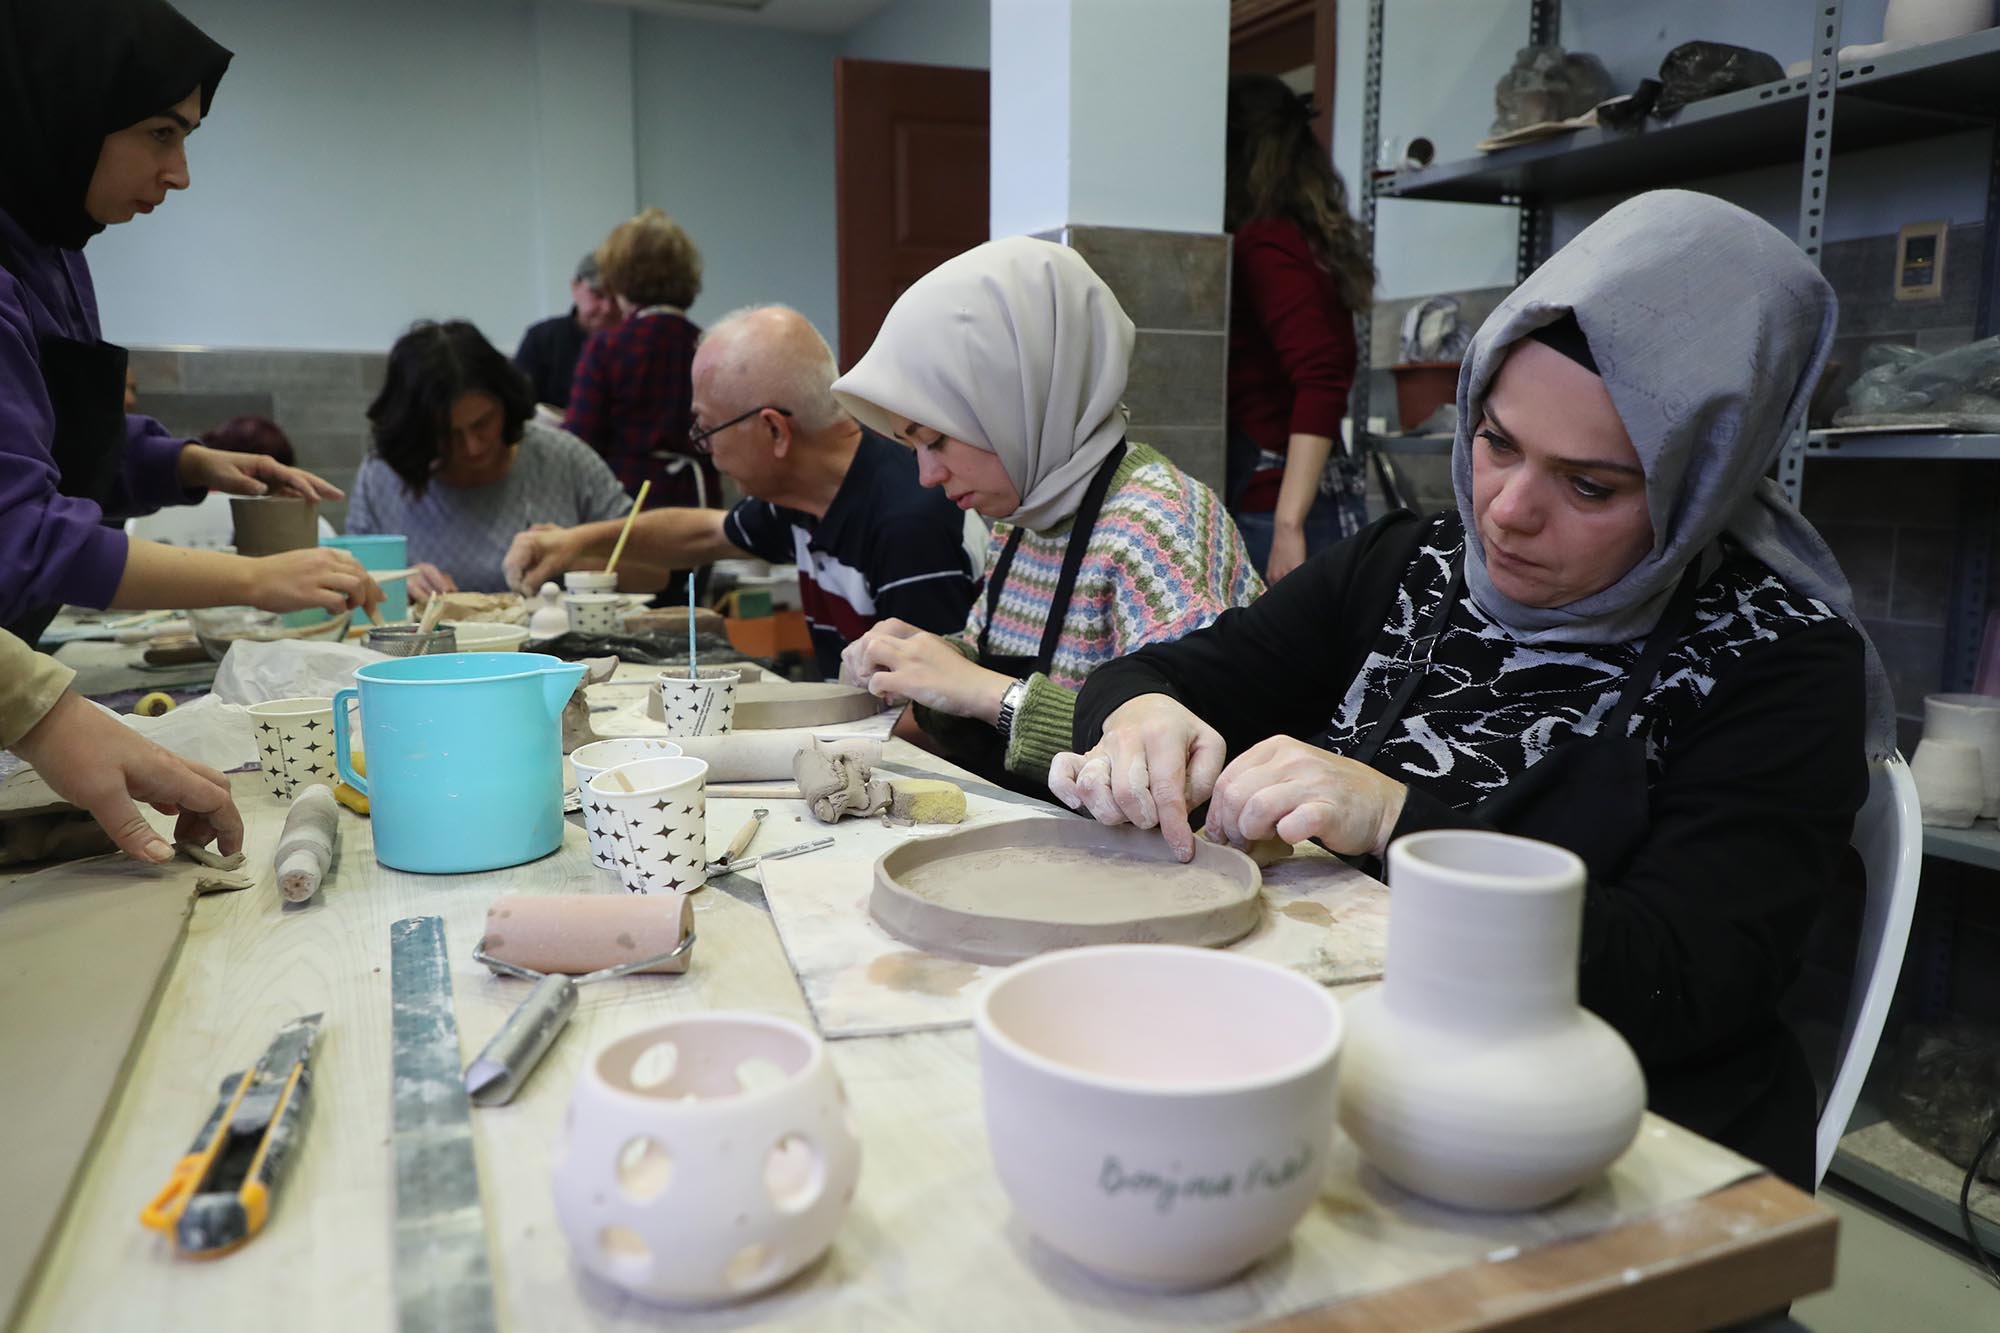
(1015, 347)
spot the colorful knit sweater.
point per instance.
(1164, 559)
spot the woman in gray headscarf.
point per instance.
(1624, 641)
(1004, 370)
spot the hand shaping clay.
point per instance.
(1010, 891)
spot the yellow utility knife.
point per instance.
(220, 1194)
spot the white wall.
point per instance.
(1029, 157)
(735, 139)
(371, 162)
(1442, 58)
(925, 32)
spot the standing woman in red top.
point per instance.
(1302, 270)
(630, 398)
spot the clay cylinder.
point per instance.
(305, 848)
(270, 524)
(768, 756)
(575, 933)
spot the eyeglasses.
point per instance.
(700, 438)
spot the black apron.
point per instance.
(990, 757)
(85, 382)
(1605, 773)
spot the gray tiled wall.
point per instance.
(1175, 287)
(319, 399)
(1895, 526)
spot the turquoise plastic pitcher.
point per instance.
(464, 757)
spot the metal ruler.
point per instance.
(444, 1281)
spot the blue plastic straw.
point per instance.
(691, 671)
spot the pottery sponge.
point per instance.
(926, 801)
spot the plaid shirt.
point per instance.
(630, 402)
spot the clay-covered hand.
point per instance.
(900, 663)
(1154, 762)
(426, 578)
(321, 576)
(250, 474)
(537, 556)
(94, 761)
(1287, 789)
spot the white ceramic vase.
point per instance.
(1472, 1076)
(706, 1159)
(1160, 1115)
(1950, 788)
(1973, 719)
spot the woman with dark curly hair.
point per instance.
(1302, 270)
(460, 464)
(630, 400)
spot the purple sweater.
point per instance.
(55, 548)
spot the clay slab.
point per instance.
(1009, 891)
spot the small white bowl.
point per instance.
(481, 636)
(1160, 1115)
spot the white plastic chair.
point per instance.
(1889, 835)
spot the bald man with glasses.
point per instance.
(823, 493)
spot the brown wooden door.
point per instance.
(910, 177)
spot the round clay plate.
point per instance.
(1010, 891)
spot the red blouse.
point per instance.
(1291, 349)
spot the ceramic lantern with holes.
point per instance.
(706, 1159)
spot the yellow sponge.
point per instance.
(927, 801)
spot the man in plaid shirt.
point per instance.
(630, 399)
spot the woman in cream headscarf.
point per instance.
(1624, 641)
(1004, 369)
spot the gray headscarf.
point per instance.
(1017, 347)
(1709, 328)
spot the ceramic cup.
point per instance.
(294, 743)
(1975, 720)
(595, 612)
(704, 706)
(1161, 1115)
(590, 580)
(653, 823)
(274, 524)
(1950, 786)
(706, 1159)
(592, 759)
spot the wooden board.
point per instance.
(1009, 891)
(84, 950)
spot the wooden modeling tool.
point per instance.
(741, 842)
(778, 854)
(444, 1279)
(432, 610)
(220, 1194)
(618, 548)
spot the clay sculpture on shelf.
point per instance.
(1009, 891)
(1471, 1075)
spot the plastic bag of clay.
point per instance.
(254, 673)
(1548, 83)
(1947, 1091)
(1959, 387)
(206, 730)
(1695, 70)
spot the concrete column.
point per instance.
(1107, 135)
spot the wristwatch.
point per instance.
(1010, 706)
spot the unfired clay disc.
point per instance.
(1010, 891)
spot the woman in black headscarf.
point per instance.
(99, 97)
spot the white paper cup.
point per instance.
(703, 706)
(595, 612)
(653, 815)
(294, 743)
(592, 759)
(590, 580)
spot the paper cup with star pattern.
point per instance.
(653, 818)
(701, 705)
(294, 743)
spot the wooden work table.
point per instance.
(930, 1243)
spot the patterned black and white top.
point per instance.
(1467, 734)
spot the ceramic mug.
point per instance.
(702, 706)
(706, 1159)
(592, 759)
(294, 740)
(595, 612)
(653, 820)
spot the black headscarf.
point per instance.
(73, 71)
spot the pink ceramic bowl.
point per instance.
(1160, 1115)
